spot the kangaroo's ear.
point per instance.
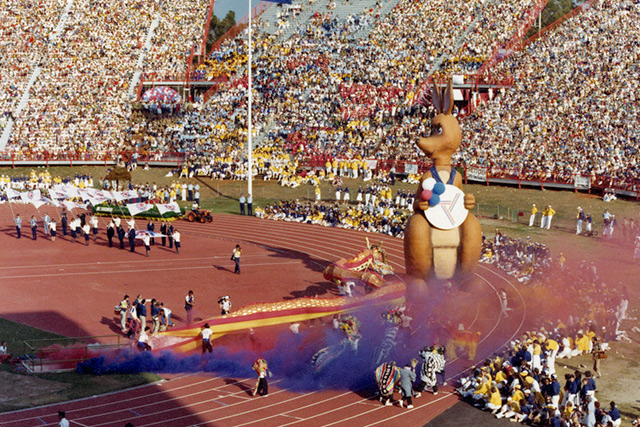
(447, 99)
(436, 97)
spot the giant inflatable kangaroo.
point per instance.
(452, 246)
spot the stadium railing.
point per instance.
(75, 158)
(236, 29)
(576, 11)
(64, 354)
(205, 36)
(501, 52)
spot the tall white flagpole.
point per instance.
(250, 99)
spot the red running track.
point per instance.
(73, 289)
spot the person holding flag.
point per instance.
(45, 222)
(132, 239)
(176, 239)
(79, 225)
(52, 230)
(64, 222)
(151, 227)
(111, 231)
(163, 231)
(18, 222)
(170, 231)
(146, 239)
(121, 234)
(86, 230)
(34, 226)
(94, 227)
(72, 230)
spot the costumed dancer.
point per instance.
(387, 377)
(348, 324)
(261, 368)
(392, 325)
(433, 365)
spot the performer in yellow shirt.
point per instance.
(550, 214)
(532, 218)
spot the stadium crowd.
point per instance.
(24, 33)
(567, 112)
(522, 383)
(79, 102)
(320, 48)
(322, 93)
(381, 217)
(523, 259)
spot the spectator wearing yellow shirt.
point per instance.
(552, 348)
(536, 359)
(494, 402)
(582, 344)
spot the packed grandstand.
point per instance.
(330, 80)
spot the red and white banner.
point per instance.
(168, 207)
(125, 195)
(30, 196)
(136, 208)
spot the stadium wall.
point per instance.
(488, 175)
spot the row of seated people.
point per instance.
(43, 181)
(381, 217)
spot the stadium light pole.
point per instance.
(249, 127)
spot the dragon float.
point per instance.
(369, 268)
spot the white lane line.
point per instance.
(137, 271)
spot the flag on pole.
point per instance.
(73, 205)
(168, 207)
(136, 208)
(56, 203)
(12, 194)
(68, 189)
(56, 194)
(30, 196)
(125, 195)
(40, 202)
(104, 195)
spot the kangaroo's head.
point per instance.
(446, 135)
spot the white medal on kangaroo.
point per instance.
(450, 212)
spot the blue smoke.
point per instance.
(290, 358)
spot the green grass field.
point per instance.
(19, 389)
